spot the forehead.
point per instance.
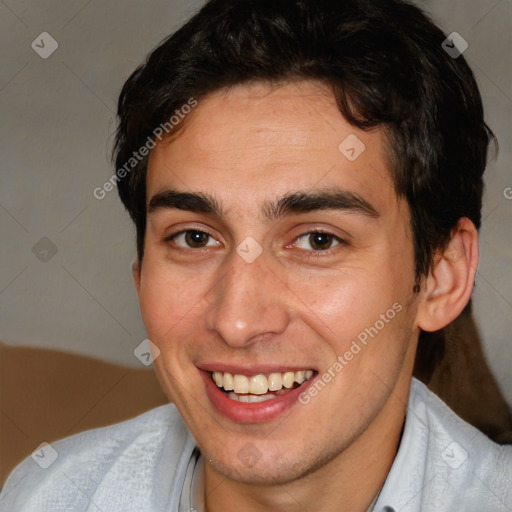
(250, 141)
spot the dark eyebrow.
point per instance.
(332, 199)
(295, 202)
(193, 202)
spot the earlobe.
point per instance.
(136, 274)
(450, 282)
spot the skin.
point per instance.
(295, 304)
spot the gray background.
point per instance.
(56, 134)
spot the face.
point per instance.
(277, 259)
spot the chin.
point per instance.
(259, 474)
(265, 466)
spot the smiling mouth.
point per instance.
(259, 388)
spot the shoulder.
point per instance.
(108, 467)
(445, 464)
(477, 470)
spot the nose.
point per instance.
(249, 303)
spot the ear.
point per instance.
(136, 274)
(448, 287)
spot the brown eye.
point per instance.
(196, 238)
(193, 239)
(321, 241)
(317, 241)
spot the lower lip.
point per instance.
(258, 412)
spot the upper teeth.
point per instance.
(260, 384)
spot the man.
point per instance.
(305, 178)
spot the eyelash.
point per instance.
(318, 253)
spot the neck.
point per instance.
(350, 481)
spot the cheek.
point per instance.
(369, 308)
(172, 302)
(161, 299)
(350, 300)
